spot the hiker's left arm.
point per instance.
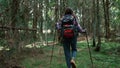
(79, 28)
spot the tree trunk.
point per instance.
(98, 28)
(83, 14)
(41, 21)
(106, 17)
(13, 33)
(35, 19)
(94, 23)
(26, 19)
(62, 8)
(56, 20)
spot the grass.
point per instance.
(108, 57)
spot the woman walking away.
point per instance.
(69, 28)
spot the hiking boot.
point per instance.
(73, 63)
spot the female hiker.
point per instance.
(69, 28)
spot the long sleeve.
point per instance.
(58, 25)
(79, 28)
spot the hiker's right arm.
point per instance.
(58, 25)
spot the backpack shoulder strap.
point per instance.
(75, 20)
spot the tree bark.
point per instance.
(94, 23)
(13, 33)
(106, 17)
(35, 19)
(98, 28)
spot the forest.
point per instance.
(29, 39)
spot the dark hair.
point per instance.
(68, 11)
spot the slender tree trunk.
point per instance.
(41, 16)
(26, 18)
(83, 14)
(94, 23)
(106, 17)
(41, 20)
(13, 33)
(98, 28)
(108, 20)
(56, 20)
(46, 22)
(62, 8)
(35, 19)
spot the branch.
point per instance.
(16, 28)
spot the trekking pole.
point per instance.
(53, 47)
(89, 49)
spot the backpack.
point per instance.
(68, 26)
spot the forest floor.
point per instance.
(108, 57)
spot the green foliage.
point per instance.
(107, 58)
(115, 12)
(3, 42)
(30, 13)
(4, 3)
(32, 63)
(52, 3)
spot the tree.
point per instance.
(106, 17)
(35, 17)
(98, 27)
(94, 22)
